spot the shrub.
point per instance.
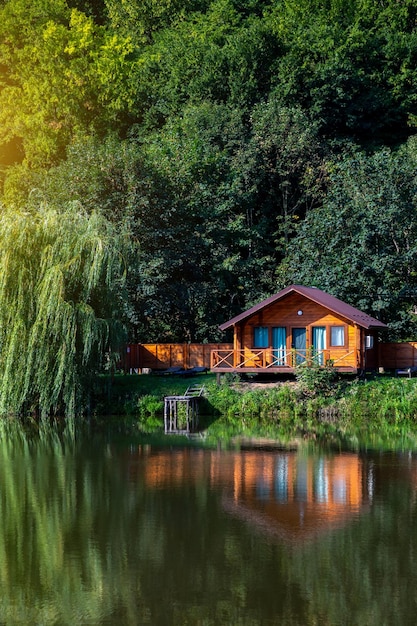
(150, 409)
(314, 379)
(224, 400)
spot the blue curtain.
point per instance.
(319, 343)
(279, 341)
(260, 337)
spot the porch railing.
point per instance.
(267, 358)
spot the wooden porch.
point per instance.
(221, 358)
(266, 360)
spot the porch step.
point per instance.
(194, 391)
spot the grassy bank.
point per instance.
(310, 407)
(379, 411)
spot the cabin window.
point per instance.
(337, 336)
(369, 342)
(319, 343)
(260, 337)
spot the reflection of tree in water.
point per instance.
(85, 539)
(52, 567)
(80, 543)
(367, 572)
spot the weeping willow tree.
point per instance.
(61, 286)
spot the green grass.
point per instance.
(159, 386)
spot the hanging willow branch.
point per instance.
(61, 276)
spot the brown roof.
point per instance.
(319, 297)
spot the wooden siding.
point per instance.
(158, 356)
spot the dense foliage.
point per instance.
(238, 146)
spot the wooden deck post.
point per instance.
(190, 401)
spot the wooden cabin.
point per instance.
(300, 325)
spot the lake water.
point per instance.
(102, 533)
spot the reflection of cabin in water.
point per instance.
(296, 498)
(300, 325)
(285, 494)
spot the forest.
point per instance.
(165, 164)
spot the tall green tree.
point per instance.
(283, 168)
(61, 77)
(140, 20)
(351, 65)
(61, 302)
(220, 56)
(360, 245)
(211, 201)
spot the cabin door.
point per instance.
(299, 343)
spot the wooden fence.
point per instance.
(398, 355)
(159, 356)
